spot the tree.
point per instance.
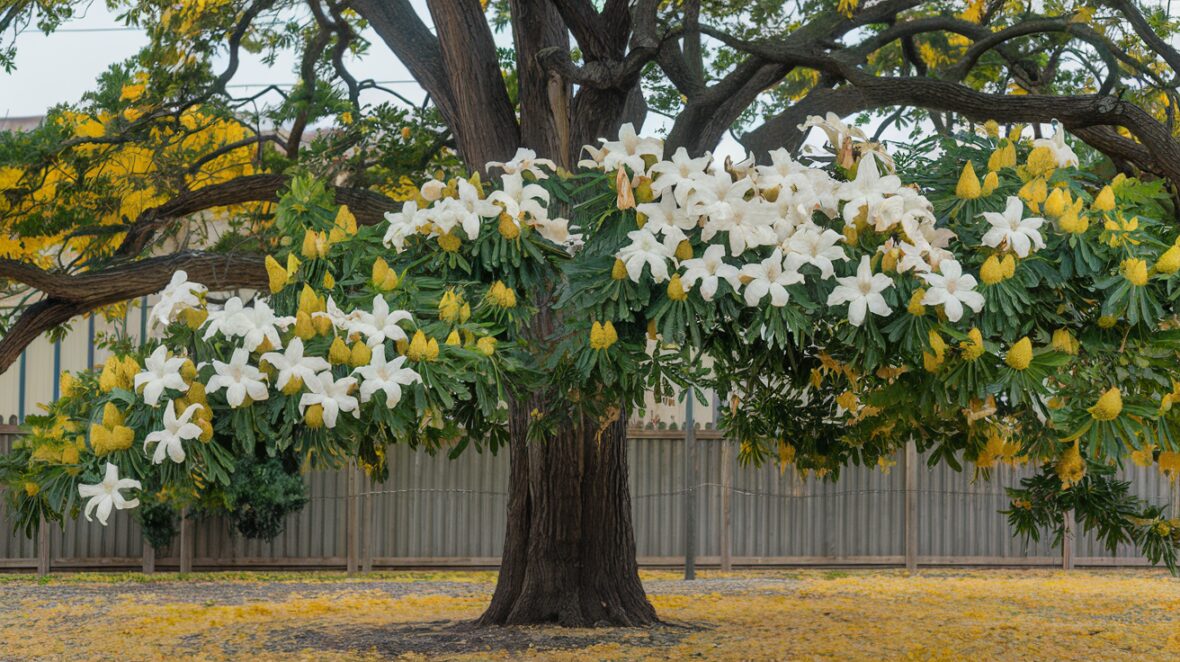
(712, 68)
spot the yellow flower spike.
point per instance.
(596, 338)
(308, 250)
(973, 347)
(1109, 405)
(889, 260)
(188, 371)
(990, 183)
(111, 416)
(432, 349)
(292, 265)
(338, 353)
(1008, 266)
(449, 306)
(915, 306)
(1169, 262)
(31, 489)
(508, 227)
(193, 318)
(1104, 201)
(68, 384)
(1169, 462)
(418, 349)
(344, 227)
(379, 273)
(314, 416)
(991, 272)
(206, 431)
(1055, 204)
(486, 345)
(1033, 193)
(676, 289)
(1014, 133)
(937, 344)
(329, 281)
(449, 242)
(453, 338)
(991, 128)
(196, 393)
(303, 326)
(1135, 271)
(100, 438)
(1071, 468)
(683, 252)
(968, 186)
(609, 334)
(851, 234)
(360, 354)
(465, 312)
(643, 192)
(619, 270)
(276, 275)
(1145, 456)
(1019, 354)
(1107, 321)
(1065, 342)
(1041, 161)
(501, 295)
(930, 362)
(1072, 223)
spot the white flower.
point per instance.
(381, 375)
(449, 213)
(748, 224)
(557, 230)
(332, 395)
(770, 276)
(379, 325)
(238, 378)
(292, 363)
(645, 249)
(1021, 234)
(1064, 154)
(664, 214)
(861, 292)
(519, 199)
(402, 225)
(160, 372)
(710, 269)
(525, 160)
(817, 247)
(677, 175)
(181, 293)
(432, 190)
(105, 495)
(176, 430)
(952, 290)
(629, 150)
(254, 324)
(868, 189)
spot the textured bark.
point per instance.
(569, 552)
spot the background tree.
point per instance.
(580, 71)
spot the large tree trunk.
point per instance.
(569, 551)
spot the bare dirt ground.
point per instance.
(753, 615)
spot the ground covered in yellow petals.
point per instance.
(751, 615)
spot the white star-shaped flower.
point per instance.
(862, 292)
(379, 325)
(645, 249)
(1021, 234)
(238, 378)
(710, 269)
(525, 160)
(770, 276)
(293, 364)
(331, 394)
(177, 429)
(387, 376)
(952, 290)
(160, 372)
(181, 293)
(817, 247)
(105, 495)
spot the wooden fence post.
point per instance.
(43, 548)
(726, 505)
(911, 505)
(352, 521)
(1068, 540)
(149, 558)
(186, 542)
(367, 525)
(691, 482)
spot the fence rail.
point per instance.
(438, 512)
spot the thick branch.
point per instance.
(74, 295)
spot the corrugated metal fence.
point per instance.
(435, 511)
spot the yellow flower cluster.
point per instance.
(972, 348)
(452, 308)
(111, 435)
(279, 276)
(118, 373)
(422, 349)
(1109, 405)
(602, 335)
(1071, 468)
(1065, 342)
(202, 417)
(383, 278)
(1019, 354)
(932, 361)
(502, 296)
(307, 323)
(996, 269)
